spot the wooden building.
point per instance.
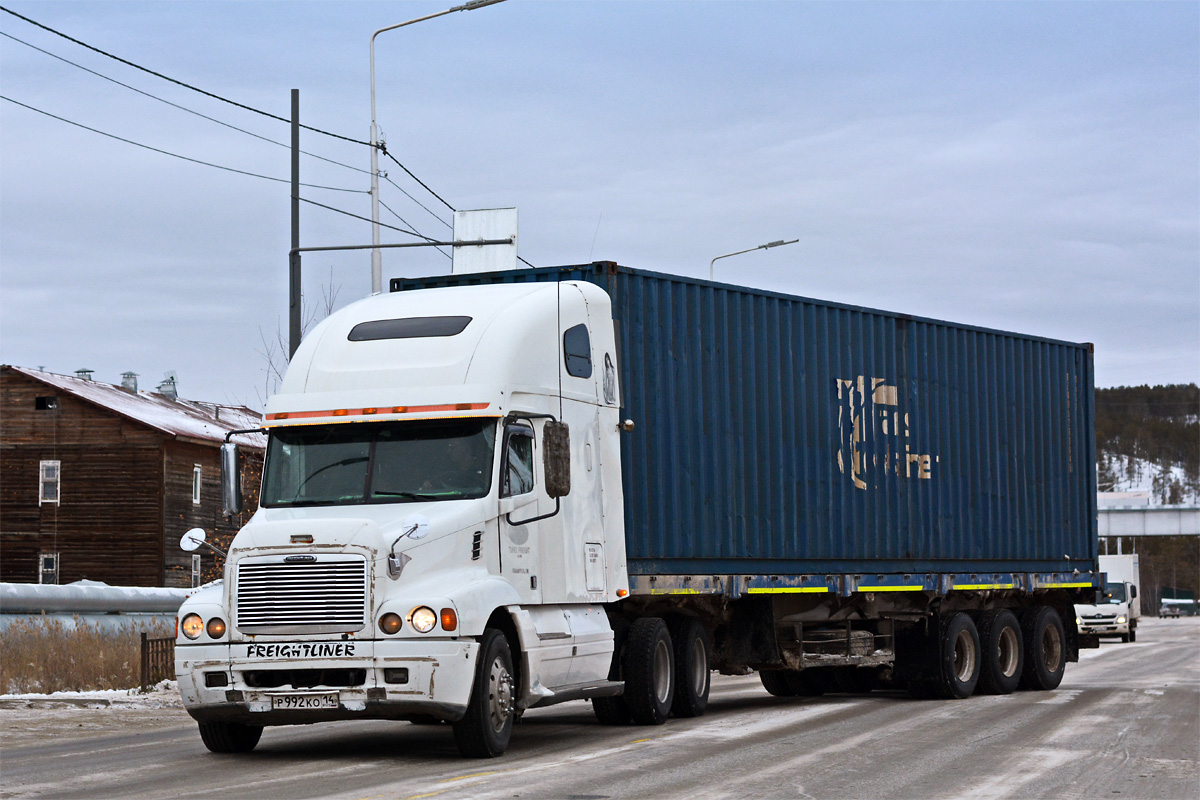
(100, 481)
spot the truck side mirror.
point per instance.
(1132, 591)
(556, 458)
(231, 480)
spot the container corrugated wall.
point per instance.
(783, 435)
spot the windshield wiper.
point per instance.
(409, 495)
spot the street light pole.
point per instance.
(376, 256)
(766, 246)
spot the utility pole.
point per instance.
(294, 310)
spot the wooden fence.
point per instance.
(158, 659)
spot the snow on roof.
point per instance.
(178, 418)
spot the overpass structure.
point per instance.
(1181, 520)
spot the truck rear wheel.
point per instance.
(1003, 654)
(614, 710)
(1045, 651)
(691, 667)
(951, 670)
(230, 737)
(487, 727)
(649, 664)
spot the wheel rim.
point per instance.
(699, 666)
(1008, 648)
(1051, 648)
(662, 671)
(964, 656)
(500, 692)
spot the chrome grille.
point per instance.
(318, 597)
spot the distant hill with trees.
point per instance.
(1148, 439)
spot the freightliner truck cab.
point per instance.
(440, 523)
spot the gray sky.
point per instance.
(1025, 166)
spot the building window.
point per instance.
(48, 568)
(195, 570)
(49, 474)
(196, 485)
(47, 403)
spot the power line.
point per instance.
(383, 149)
(176, 105)
(177, 155)
(415, 200)
(177, 82)
(409, 224)
(366, 219)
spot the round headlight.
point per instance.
(390, 623)
(423, 619)
(215, 628)
(1078, 622)
(1120, 620)
(191, 625)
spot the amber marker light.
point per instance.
(622, 592)
(215, 628)
(390, 623)
(449, 619)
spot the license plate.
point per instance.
(303, 701)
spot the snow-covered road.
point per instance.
(1125, 723)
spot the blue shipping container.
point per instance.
(783, 435)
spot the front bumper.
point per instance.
(1104, 628)
(439, 679)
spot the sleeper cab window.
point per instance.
(577, 351)
(518, 461)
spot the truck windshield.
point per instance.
(1113, 593)
(378, 462)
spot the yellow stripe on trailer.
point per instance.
(968, 586)
(675, 591)
(890, 589)
(788, 590)
(1088, 585)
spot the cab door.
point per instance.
(519, 556)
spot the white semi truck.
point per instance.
(1117, 608)
(451, 495)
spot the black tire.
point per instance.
(1045, 649)
(614, 710)
(649, 667)
(1124, 638)
(1133, 633)
(692, 675)
(230, 737)
(425, 719)
(487, 727)
(953, 672)
(776, 682)
(1002, 645)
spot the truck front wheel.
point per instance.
(485, 730)
(230, 737)
(1045, 651)
(649, 671)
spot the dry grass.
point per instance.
(45, 655)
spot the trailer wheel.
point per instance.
(487, 727)
(691, 667)
(649, 664)
(614, 710)
(954, 672)
(230, 737)
(1045, 650)
(1003, 654)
